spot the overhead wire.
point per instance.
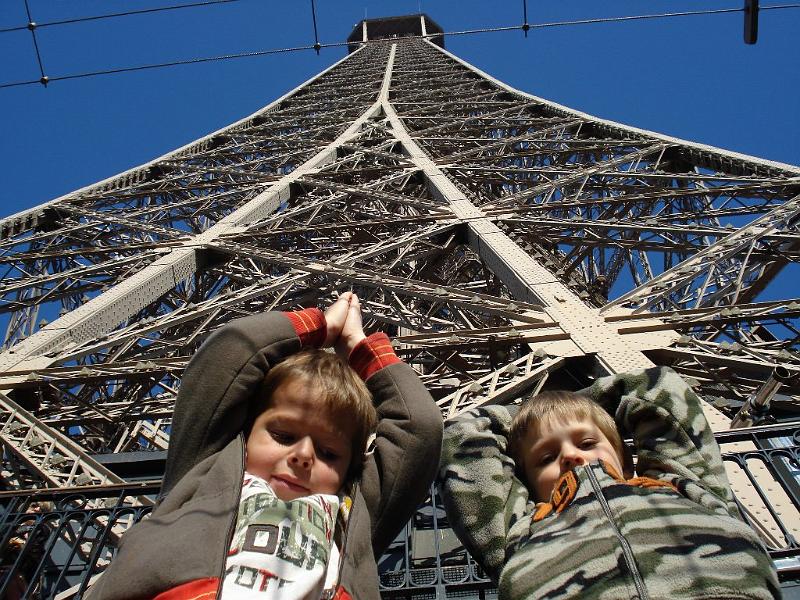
(35, 43)
(115, 15)
(316, 46)
(525, 26)
(688, 13)
(189, 61)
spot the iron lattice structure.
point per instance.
(506, 242)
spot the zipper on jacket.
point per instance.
(232, 526)
(627, 552)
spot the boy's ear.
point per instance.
(370, 449)
(357, 466)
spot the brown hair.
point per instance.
(561, 406)
(341, 392)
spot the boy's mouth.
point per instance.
(289, 484)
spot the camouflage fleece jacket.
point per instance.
(672, 532)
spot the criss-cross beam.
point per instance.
(713, 261)
(522, 274)
(589, 330)
(106, 311)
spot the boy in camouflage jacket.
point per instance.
(672, 532)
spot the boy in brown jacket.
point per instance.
(268, 492)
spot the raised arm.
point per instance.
(482, 496)
(226, 372)
(672, 438)
(398, 473)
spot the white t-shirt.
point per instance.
(281, 550)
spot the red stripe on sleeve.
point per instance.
(310, 326)
(372, 354)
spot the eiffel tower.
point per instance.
(508, 244)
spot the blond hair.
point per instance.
(340, 391)
(558, 406)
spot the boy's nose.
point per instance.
(302, 453)
(571, 458)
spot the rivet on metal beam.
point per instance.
(475, 388)
(83, 479)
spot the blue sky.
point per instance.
(691, 77)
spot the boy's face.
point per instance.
(297, 446)
(553, 449)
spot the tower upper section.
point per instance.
(394, 27)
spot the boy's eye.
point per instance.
(327, 454)
(546, 459)
(282, 437)
(588, 444)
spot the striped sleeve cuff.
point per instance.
(310, 326)
(372, 354)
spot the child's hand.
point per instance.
(335, 317)
(353, 330)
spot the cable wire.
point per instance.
(525, 26)
(174, 63)
(316, 36)
(121, 14)
(617, 19)
(32, 27)
(339, 44)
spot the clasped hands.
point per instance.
(345, 329)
